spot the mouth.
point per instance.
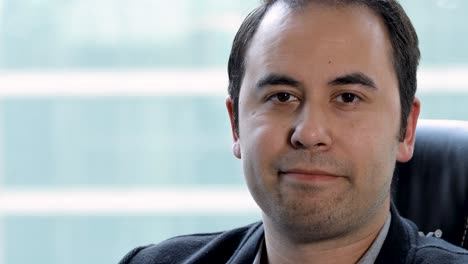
(311, 176)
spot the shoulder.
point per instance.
(195, 248)
(404, 244)
(436, 250)
(430, 249)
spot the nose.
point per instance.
(311, 132)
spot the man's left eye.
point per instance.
(348, 98)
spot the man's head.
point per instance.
(405, 52)
(317, 116)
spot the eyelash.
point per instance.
(355, 97)
(274, 97)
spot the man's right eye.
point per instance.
(283, 97)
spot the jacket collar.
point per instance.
(248, 247)
(397, 246)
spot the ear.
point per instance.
(236, 150)
(406, 147)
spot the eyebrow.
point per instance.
(347, 79)
(278, 79)
(354, 78)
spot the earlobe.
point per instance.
(236, 150)
(406, 147)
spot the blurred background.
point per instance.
(113, 131)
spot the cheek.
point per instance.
(262, 140)
(371, 145)
(257, 155)
(378, 163)
(260, 129)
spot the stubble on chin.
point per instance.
(310, 213)
(306, 217)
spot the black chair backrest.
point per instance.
(432, 188)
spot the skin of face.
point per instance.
(319, 116)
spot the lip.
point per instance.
(308, 175)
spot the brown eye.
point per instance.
(283, 97)
(348, 98)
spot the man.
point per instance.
(321, 102)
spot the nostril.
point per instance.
(298, 144)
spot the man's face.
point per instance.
(319, 116)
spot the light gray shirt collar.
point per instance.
(371, 254)
(368, 258)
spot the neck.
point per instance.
(343, 250)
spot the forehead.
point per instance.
(342, 35)
(315, 15)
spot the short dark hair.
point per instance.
(403, 38)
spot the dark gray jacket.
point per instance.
(239, 246)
